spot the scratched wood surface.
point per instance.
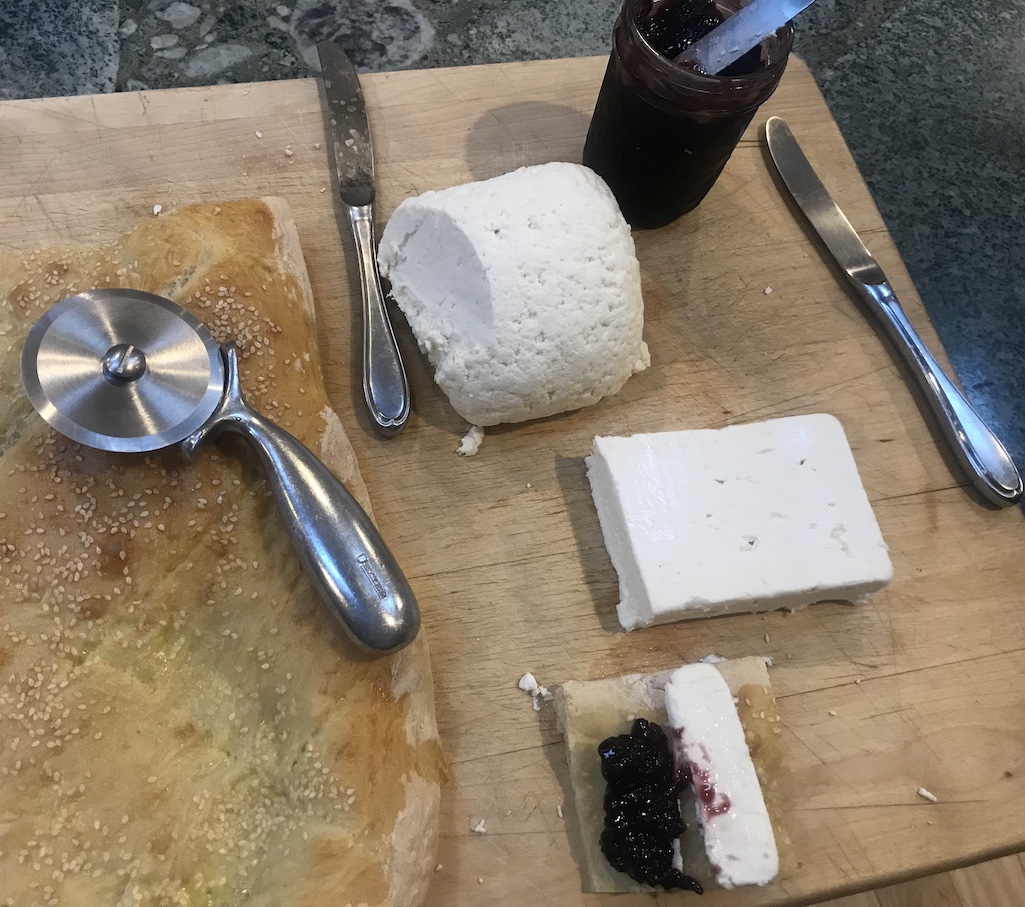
(997, 883)
(921, 687)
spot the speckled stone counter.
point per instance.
(930, 95)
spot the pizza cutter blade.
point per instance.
(122, 370)
(128, 371)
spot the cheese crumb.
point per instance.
(528, 683)
(479, 828)
(831, 713)
(558, 809)
(677, 861)
(768, 291)
(471, 442)
(157, 209)
(258, 134)
(927, 795)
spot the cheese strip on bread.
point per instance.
(591, 711)
(182, 722)
(708, 740)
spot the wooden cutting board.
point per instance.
(921, 687)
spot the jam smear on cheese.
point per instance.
(713, 802)
(642, 810)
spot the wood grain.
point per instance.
(1000, 883)
(504, 550)
(997, 883)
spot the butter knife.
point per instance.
(385, 386)
(977, 449)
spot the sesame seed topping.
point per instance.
(97, 627)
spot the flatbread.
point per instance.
(181, 722)
(590, 711)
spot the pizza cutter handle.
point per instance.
(338, 544)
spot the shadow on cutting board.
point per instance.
(519, 135)
(599, 575)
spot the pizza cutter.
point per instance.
(128, 371)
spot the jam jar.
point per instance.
(662, 131)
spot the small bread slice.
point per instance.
(590, 711)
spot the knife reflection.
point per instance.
(385, 386)
(977, 449)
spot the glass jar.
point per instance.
(661, 133)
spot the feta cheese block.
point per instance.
(589, 711)
(709, 740)
(750, 517)
(523, 290)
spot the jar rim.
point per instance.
(702, 81)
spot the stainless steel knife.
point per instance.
(385, 386)
(977, 449)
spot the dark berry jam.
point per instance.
(642, 808)
(671, 26)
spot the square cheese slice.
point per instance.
(751, 517)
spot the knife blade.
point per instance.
(385, 386)
(737, 34)
(977, 449)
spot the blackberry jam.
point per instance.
(661, 132)
(642, 809)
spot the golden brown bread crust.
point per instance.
(181, 722)
(590, 711)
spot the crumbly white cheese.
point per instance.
(751, 517)
(709, 738)
(471, 442)
(528, 683)
(523, 290)
(538, 694)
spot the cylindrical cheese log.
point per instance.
(523, 290)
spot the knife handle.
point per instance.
(385, 386)
(339, 546)
(976, 448)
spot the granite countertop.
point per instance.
(929, 94)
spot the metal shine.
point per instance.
(385, 386)
(184, 388)
(977, 449)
